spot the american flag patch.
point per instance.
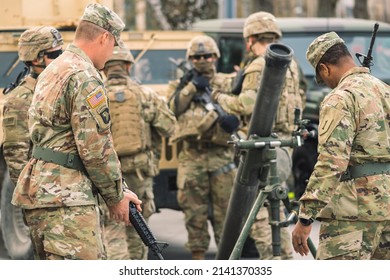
(96, 98)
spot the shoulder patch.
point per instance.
(96, 98)
(97, 105)
(331, 117)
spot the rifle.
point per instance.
(189, 73)
(19, 78)
(143, 230)
(367, 59)
(228, 122)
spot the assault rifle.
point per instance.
(367, 59)
(229, 123)
(189, 74)
(144, 232)
(19, 78)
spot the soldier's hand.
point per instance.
(200, 82)
(120, 211)
(300, 235)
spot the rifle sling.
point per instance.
(366, 169)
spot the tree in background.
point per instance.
(327, 8)
(361, 9)
(181, 14)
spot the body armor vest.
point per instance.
(130, 133)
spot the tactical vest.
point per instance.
(130, 133)
(197, 124)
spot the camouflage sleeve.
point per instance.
(243, 103)
(16, 139)
(164, 120)
(179, 101)
(336, 133)
(91, 127)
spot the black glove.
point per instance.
(229, 123)
(200, 82)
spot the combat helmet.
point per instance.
(121, 54)
(37, 39)
(202, 44)
(261, 22)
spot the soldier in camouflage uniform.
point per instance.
(137, 113)
(37, 48)
(260, 30)
(349, 189)
(206, 170)
(73, 157)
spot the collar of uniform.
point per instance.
(354, 70)
(76, 50)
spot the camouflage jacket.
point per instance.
(354, 129)
(243, 104)
(156, 120)
(194, 121)
(16, 140)
(69, 114)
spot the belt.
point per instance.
(224, 169)
(199, 145)
(64, 159)
(365, 169)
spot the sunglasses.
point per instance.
(199, 56)
(53, 55)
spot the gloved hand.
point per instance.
(200, 82)
(229, 123)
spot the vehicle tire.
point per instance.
(15, 233)
(304, 159)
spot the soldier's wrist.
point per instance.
(306, 222)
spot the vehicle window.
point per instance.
(232, 50)
(154, 67)
(9, 68)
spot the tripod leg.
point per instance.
(236, 253)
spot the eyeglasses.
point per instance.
(199, 56)
(53, 54)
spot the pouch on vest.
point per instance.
(207, 122)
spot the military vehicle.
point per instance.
(298, 33)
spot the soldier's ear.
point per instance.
(323, 69)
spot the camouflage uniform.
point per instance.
(353, 132)
(70, 124)
(206, 170)
(16, 140)
(137, 113)
(243, 104)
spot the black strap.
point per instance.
(365, 169)
(68, 160)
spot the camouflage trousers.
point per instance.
(354, 240)
(124, 243)
(205, 178)
(66, 233)
(261, 233)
